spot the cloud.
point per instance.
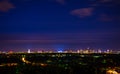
(104, 1)
(105, 18)
(5, 6)
(54, 38)
(107, 3)
(83, 12)
(71, 39)
(61, 1)
(108, 18)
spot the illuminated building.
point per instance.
(28, 50)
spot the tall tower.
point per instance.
(28, 50)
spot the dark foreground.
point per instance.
(59, 63)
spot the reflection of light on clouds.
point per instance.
(5, 6)
(82, 12)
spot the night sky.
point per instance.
(59, 24)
